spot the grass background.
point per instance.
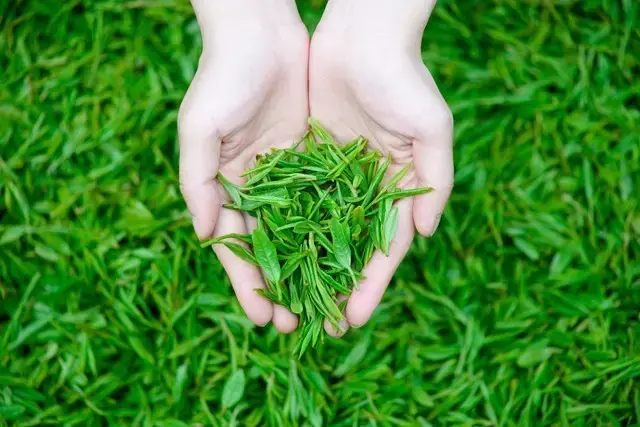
(522, 310)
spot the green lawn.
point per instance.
(522, 310)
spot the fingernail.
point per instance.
(436, 222)
(338, 332)
(344, 325)
(263, 325)
(199, 228)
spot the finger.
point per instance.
(433, 162)
(250, 222)
(244, 277)
(198, 169)
(380, 269)
(284, 321)
(199, 161)
(344, 324)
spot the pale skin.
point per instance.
(258, 80)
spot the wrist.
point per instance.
(245, 19)
(381, 23)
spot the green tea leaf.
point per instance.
(358, 220)
(341, 239)
(305, 227)
(305, 339)
(377, 179)
(241, 252)
(302, 227)
(231, 189)
(375, 231)
(242, 237)
(279, 198)
(390, 185)
(316, 330)
(292, 264)
(339, 287)
(265, 253)
(295, 306)
(348, 159)
(265, 171)
(368, 252)
(268, 294)
(280, 183)
(401, 194)
(390, 227)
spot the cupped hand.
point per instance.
(249, 94)
(366, 77)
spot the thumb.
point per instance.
(199, 162)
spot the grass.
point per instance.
(522, 310)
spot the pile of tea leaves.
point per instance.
(321, 213)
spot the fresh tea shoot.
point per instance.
(322, 212)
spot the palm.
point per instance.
(348, 111)
(274, 116)
(240, 103)
(390, 101)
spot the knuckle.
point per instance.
(449, 183)
(185, 109)
(436, 119)
(196, 124)
(189, 121)
(442, 119)
(186, 191)
(195, 118)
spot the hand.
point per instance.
(248, 95)
(367, 78)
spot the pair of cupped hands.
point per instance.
(260, 77)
